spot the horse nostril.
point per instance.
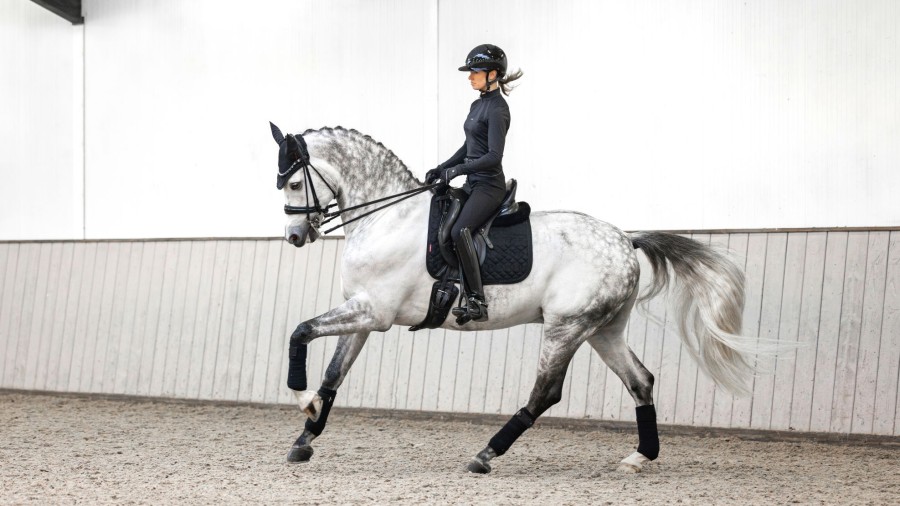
(294, 239)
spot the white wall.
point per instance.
(40, 124)
(651, 115)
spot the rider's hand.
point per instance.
(432, 175)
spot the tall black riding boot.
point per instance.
(468, 263)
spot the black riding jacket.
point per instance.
(481, 155)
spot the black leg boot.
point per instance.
(468, 263)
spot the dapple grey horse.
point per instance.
(582, 287)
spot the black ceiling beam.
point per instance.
(68, 9)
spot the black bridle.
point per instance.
(316, 212)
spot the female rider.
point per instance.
(479, 160)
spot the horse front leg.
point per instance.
(317, 405)
(352, 317)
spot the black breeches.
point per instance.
(481, 205)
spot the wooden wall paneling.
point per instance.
(239, 323)
(294, 313)
(419, 343)
(705, 397)
(481, 361)
(92, 318)
(270, 252)
(512, 370)
(22, 305)
(8, 257)
(128, 343)
(448, 366)
(496, 371)
(36, 333)
(387, 370)
(83, 317)
(688, 369)
(215, 274)
(849, 333)
(277, 367)
(462, 381)
(193, 323)
(755, 272)
(723, 403)
(886, 388)
(788, 328)
(374, 349)
(769, 322)
(433, 390)
(161, 333)
(178, 342)
(405, 348)
(403, 374)
(11, 299)
(140, 340)
(256, 294)
(101, 375)
(870, 333)
(154, 269)
(50, 312)
(579, 374)
(5, 248)
(808, 331)
(24, 333)
(829, 330)
(60, 354)
(227, 324)
(117, 308)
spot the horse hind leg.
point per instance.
(610, 344)
(558, 347)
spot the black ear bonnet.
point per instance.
(293, 155)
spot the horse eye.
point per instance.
(295, 186)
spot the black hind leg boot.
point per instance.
(468, 263)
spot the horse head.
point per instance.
(307, 192)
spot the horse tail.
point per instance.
(709, 299)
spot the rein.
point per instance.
(330, 216)
(317, 208)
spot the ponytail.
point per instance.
(505, 80)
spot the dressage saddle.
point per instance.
(502, 244)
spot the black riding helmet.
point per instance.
(486, 57)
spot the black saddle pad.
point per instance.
(508, 262)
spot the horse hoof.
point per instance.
(478, 467)
(633, 463)
(300, 454)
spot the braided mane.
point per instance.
(371, 150)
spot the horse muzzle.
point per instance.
(299, 234)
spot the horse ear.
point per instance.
(276, 133)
